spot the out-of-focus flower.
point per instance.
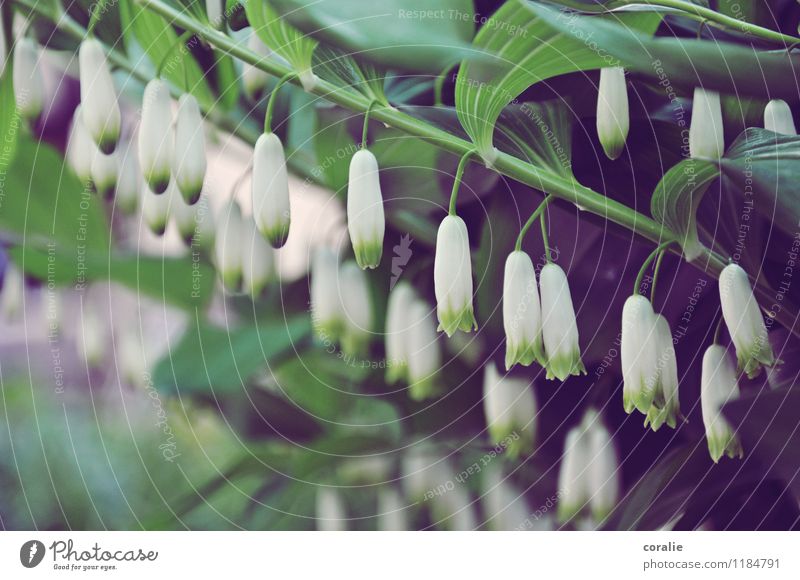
(510, 408)
(228, 246)
(665, 407)
(778, 117)
(504, 505)
(356, 309)
(326, 308)
(397, 310)
(572, 479)
(613, 119)
(366, 470)
(214, 13)
(452, 273)
(258, 260)
(424, 354)
(638, 354)
(744, 321)
(392, 511)
(195, 223)
(253, 78)
(92, 337)
(603, 470)
(522, 312)
(3, 49)
(331, 514)
(270, 190)
(706, 139)
(190, 149)
(156, 209)
(11, 292)
(365, 219)
(131, 357)
(452, 508)
(559, 327)
(80, 147)
(129, 185)
(104, 173)
(28, 83)
(155, 136)
(718, 386)
(99, 97)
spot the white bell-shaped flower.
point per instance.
(559, 327)
(326, 308)
(397, 309)
(602, 472)
(573, 481)
(92, 337)
(638, 354)
(156, 135)
(189, 156)
(11, 292)
(422, 349)
(331, 514)
(510, 408)
(744, 321)
(778, 118)
(452, 507)
(156, 209)
(28, 83)
(356, 309)
(718, 386)
(126, 197)
(228, 246)
(98, 96)
(214, 12)
(416, 468)
(130, 357)
(392, 513)
(80, 147)
(706, 138)
(522, 312)
(258, 260)
(365, 219)
(665, 407)
(195, 223)
(452, 274)
(270, 190)
(254, 79)
(613, 118)
(104, 173)
(503, 503)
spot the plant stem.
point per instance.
(545, 238)
(655, 276)
(661, 247)
(718, 330)
(273, 97)
(529, 223)
(366, 125)
(457, 181)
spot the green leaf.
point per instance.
(676, 198)
(522, 49)
(409, 35)
(10, 120)
(342, 70)
(725, 67)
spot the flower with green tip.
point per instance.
(195, 223)
(613, 119)
(510, 408)
(665, 407)
(718, 386)
(80, 148)
(104, 173)
(603, 473)
(126, 197)
(706, 139)
(156, 210)
(423, 352)
(258, 260)
(326, 308)
(559, 327)
(228, 246)
(452, 274)
(778, 118)
(522, 312)
(572, 479)
(270, 190)
(744, 321)
(189, 156)
(99, 97)
(365, 219)
(401, 298)
(356, 309)
(638, 354)
(28, 82)
(155, 136)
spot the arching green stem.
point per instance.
(366, 124)
(647, 262)
(655, 276)
(545, 237)
(272, 98)
(457, 181)
(99, 8)
(187, 34)
(529, 223)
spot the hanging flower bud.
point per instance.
(706, 140)
(228, 246)
(397, 310)
(326, 308)
(189, 157)
(126, 197)
(522, 313)
(92, 337)
(195, 223)
(28, 83)
(504, 505)
(253, 78)
(270, 190)
(155, 135)
(666, 406)
(559, 327)
(80, 148)
(156, 210)
(510, 408)
(11, 292)
(331, 514)
(717, 387)
(638, 354)
(451, 507)
(602, 472)
(98, 96)
(365, 219)
(572, 475)
(258, 260)
(612, 111)
(392, 511)
(422, 348)
(356, 309)
(452, 273)
(104, 173)
(744, 321)
(131, 358)
(778, 118)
